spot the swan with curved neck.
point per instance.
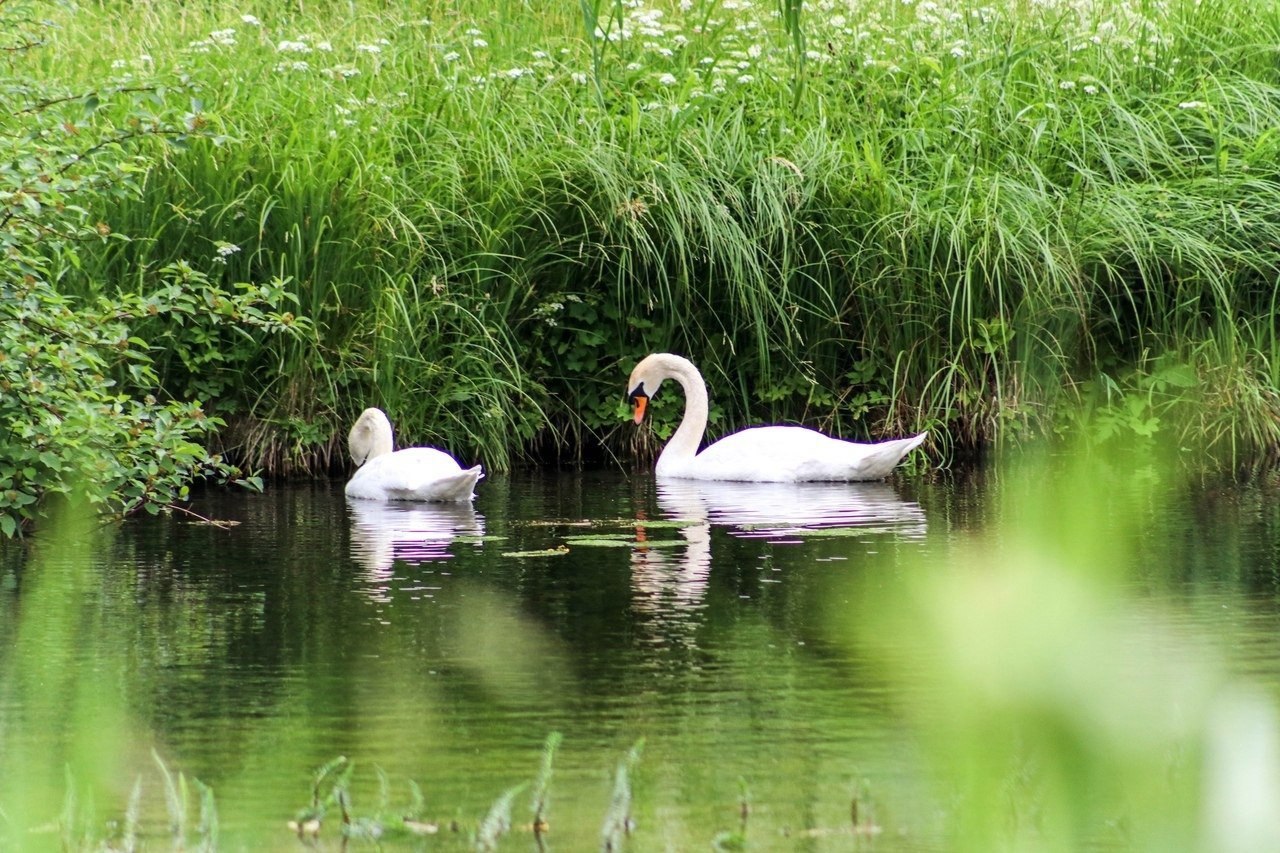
(412, 474)
(784, 454)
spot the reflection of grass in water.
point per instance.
(1055, 708)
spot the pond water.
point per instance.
(714, 629)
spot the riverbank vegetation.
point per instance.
(990, 221)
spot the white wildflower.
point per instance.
(224, 251)
(451, 56)
(251, 20)
(325, 46)
(1193, 105)
(1066, 85)
(479, 42)
(579, 78)
(293, 47)
(667, 80)
(369, 48)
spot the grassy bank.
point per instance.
(1029, 217)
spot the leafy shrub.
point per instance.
(80, 412)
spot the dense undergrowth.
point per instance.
(1024, 218)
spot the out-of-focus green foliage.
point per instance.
(80, 407)
(1058, 706)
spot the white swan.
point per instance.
(412, 474)
(775, 454)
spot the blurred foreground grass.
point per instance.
(1058, 706)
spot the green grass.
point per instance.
(871, 219)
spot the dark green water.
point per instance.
(412, 641)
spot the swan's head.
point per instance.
(642, 385)
(648, 376)
(370, 437)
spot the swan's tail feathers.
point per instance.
(885, 456)
(461, 487)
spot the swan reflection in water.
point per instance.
(669, 584)
(386, 533)
(770, 510)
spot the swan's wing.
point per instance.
(414, 474)
(797, 454)
(459, 486)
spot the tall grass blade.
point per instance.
(617, 821)
(497, 822)
(132, 812)
(175, 800)
(207, 831)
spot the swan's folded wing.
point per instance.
(459, 486)
(414, 474)
(788, 454)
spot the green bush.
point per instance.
(81, 413)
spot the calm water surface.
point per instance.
(443, 644)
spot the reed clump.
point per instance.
(875, 218)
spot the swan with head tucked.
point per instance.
(412, 474)
(775, 454)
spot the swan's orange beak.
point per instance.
(638, 404)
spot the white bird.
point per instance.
(775, 454)
(412, 474)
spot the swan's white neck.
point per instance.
(683, 446)
(371, 436)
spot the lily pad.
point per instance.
(554, 522)
(654, 523)
(835, 532)
(600, 542)
(557, 551)
(476, 540)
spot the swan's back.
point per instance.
(786, 454)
